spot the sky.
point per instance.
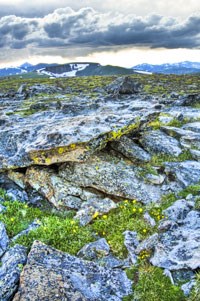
(124, 33)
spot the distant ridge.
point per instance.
(88, 69)
(177, 68)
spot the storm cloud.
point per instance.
(90, 28)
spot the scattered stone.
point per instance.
(53, 275)
(178, 211)
(188, 100)
(33, 226)
(17, 195)
(155, 179)
(4, 240)
(158, 142)
(11, 265)
(178, 248)
(148, 244)
(131, 150)
(149, 219)
(93, 208)
(194, 127)
(2, 208)
(112, 262)
(131, 243)
(95, 250)
(186, 173)
(187, 287)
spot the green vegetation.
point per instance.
(152, 285)
(160, 159)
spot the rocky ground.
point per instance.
(100, 189)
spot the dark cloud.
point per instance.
(87, 27)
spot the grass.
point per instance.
(150, 284)
(159, 160)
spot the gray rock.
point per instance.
(12, 264)
(188, 100)
(112, 262)
(4, 240)
(186, 173)
(55, 136)
(94, 250)
(178, 248)
(33, 226)
(167, 225)
(131, 150)
(93, 208)
(17, 195)
(149, 219)
(187, 112)
(187, 287)
(131, 242)
(195, 154)
(112, 176)
(194, 127)
(148, 244)
(159, 142)
(124, 85)
(53, 275)
(2, 208)
(155, 179)
(56, 190)
(178, 211)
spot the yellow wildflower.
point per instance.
(95, 214)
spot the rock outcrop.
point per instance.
(53, 275)
(88, 155)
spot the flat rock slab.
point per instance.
(68, 134)
(54, 275)
(112, 176)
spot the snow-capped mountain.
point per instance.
(177, 68)
(66, 70)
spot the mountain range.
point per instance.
(177, 68)
(88, 68)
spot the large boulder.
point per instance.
(124, 85)
(54, 275)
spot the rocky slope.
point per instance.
(110, 176)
